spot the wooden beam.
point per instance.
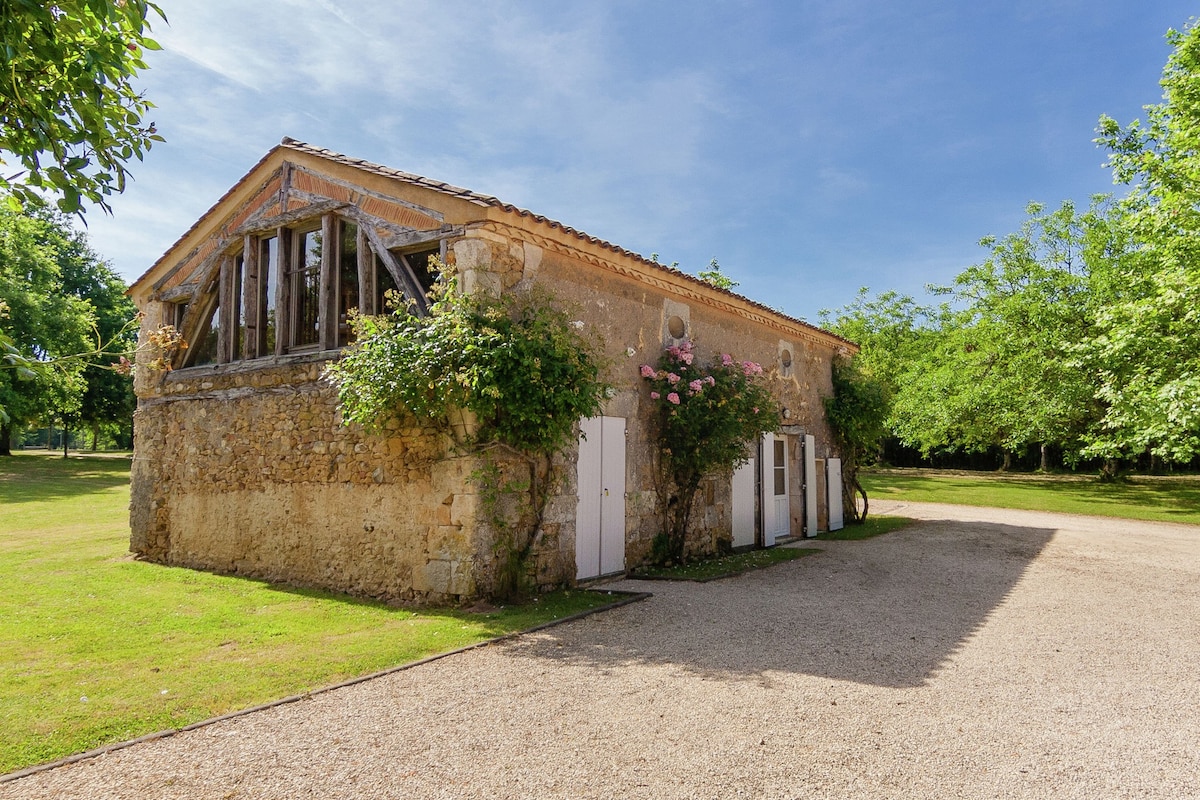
(327, 310)
(404, 277)
(283, 292)
(285, 185)
(251, 298)
(173, 294)
(225, 294)
(366, 274)
(289, 217)
(415, 237)
(195, 327)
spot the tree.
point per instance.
(70, 115)
(1004, 372)
(41, 323)
(106, 399)
(857, 414)
(1147, 349)
(892, 330)
(997, 365)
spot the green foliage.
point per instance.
(71, 117)
(857, 415)
(893, 331)
(1081, 330)
(522, 368)
(998, 364)
(714, 276)
(708, 417)
(1146, 352)
(39, 322)
(726, 566)
(64, 321)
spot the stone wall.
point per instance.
(250, 472)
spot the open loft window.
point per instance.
(297, 289)
(304, 280)
(204, 347)
(419, 265)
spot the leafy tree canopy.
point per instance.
(1147, 349)
(70, 118)
(64, 320)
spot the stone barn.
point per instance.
(242, 465)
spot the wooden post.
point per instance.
(327, 320)
(283, 293)
(252, 300)
(225, 301)
(366, 275)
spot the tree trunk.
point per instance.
(95, 435)
(1111, 470)
(1007, 464)
(66, 440)
(1045, 465)
(6, 434)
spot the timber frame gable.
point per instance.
(268, 258)
(297, 186)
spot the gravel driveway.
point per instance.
(979, 653)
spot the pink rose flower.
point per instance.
(710, 380)
(726, 360)
(655, 395)
(647, 371)
(696, 386)
(673, 398)
(672, 378)
(687, 358)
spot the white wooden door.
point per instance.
(810, 485)
(600, 515)
(776, 506)
(834, 482)
(743, 504)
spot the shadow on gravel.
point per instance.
(886, 612)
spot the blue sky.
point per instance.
(811, 147)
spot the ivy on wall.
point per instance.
(513, 374)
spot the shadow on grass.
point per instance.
(29, 478)
(887, 612)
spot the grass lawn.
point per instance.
(874, 526)
(99, 648)
(724, 566)
(1169, 499)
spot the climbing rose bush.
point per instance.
(707, 419)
